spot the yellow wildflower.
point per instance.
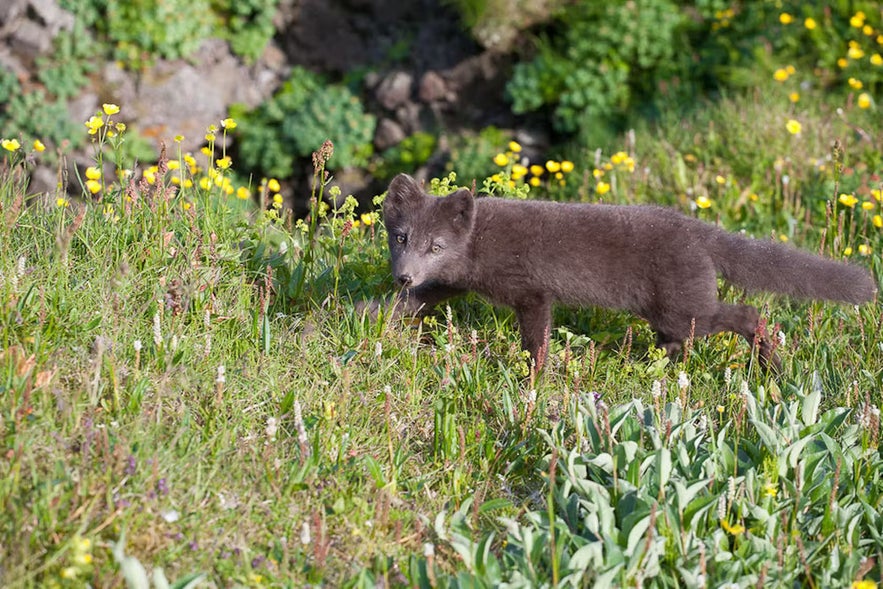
(518, 171)
(877, 193)
(566, 166)
(842, 63)
(179, 138)
(864, 249)
(864, 584)
(205, 183)
(794, 97)
(94, 123)
(847, 200)
(855, 83)
(855, 52)
(514, 147)
(864, 100)
(38, 146)
(847, 251)
(877, 221)
(868, 30)
(210, 137)
(174, 165)
(703, 202)
(534, 181)
(206, 151)
(69, 573)
(785, 18)
(93, 173)
(110, 109)
(868, 205)
(734, 529)
(618, 157)
(876, 59)
(367, 219)
(794, 127)
(224, 163)
(228, 123)
(770, 490)
(553, 166)
(720, 179)
(596, 173)
(277, 200)
(858, 20)
(810, 23)
(243, 193)
(602, 188)
(501, 159)
(186, 205)
(93, 186)
(62, 202)
(10, 144)
(273, 185)
(790, 69)
(537, 170)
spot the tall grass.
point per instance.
(187, 387)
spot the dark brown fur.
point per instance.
(652, 261)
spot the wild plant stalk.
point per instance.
(320, 159)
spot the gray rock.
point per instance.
(432, 88)
(395, 90)
(387, 134)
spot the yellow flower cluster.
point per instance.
(619, 161)
(521, 168)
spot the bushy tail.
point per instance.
(757, 264)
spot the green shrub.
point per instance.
(297, 121)
(144, 29)
(246, 24)
(602, 55)
(411, 153)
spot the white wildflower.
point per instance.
(683, 380)
(728, 375)
(272, 427)
(305, 534)
(222, 375)
(157, 330)
(656, 389)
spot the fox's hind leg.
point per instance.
(674, 328)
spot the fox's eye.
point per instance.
(436, 248)
(401, 238)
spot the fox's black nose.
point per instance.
(404, 279)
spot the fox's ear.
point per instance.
(460, 208)
(402, 190)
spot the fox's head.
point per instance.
(429, 236)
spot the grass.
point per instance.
(187, 385)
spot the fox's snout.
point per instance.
(404, 279)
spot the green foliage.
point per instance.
(35, 116)
(247, 24)
(65, 72)
(414, 151)
(143, 29)
(604, 55)
(296, 122)
(666, 495)
(472, 155)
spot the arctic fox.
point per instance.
(652, 261)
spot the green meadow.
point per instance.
(190, 396)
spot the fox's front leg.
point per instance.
(421, 300)
(535, 324)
